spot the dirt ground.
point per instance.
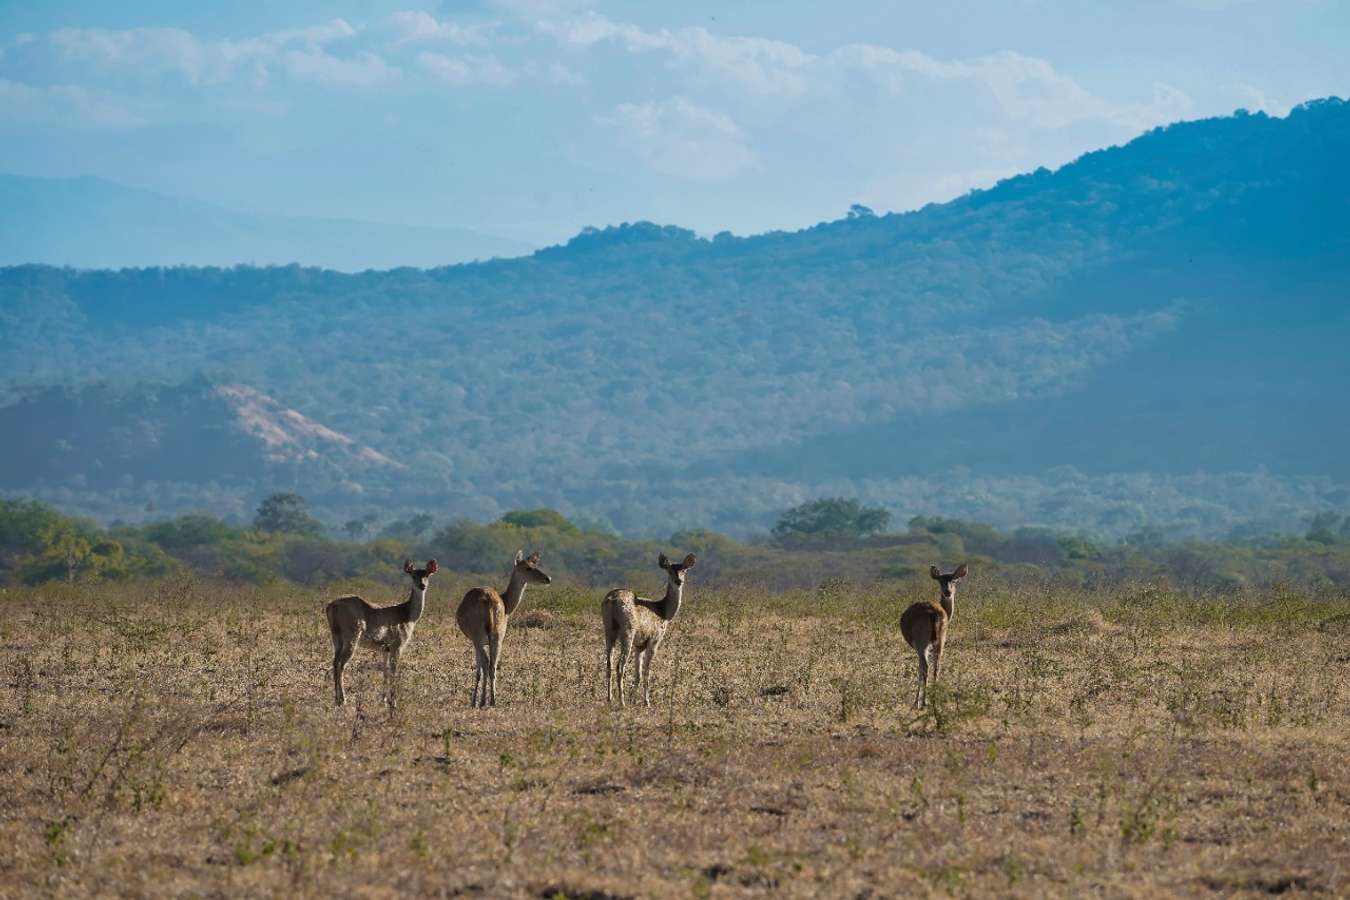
(179, 739)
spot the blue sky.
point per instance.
(533, 118)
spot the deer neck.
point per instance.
(669, 607)
(417, 598)
(948, 605)
(515, 592)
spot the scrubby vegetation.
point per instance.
(283, 544)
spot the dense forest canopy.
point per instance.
(1149, 337)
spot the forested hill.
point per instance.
(1152, 335)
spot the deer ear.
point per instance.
(663, 561)
(534, 558)
(961, 572)
(689, 561)
(431, 566)
(407, 565)
(520, 557)
(933, 570)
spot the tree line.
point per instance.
(813, 544)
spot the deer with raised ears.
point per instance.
(924, 626)
(483, 615)
(638, 624)
(355, 623)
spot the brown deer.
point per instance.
(636, 623)
(482, 616)
(353, 622)
(924, 626)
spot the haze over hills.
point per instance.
(93, 223)
(1152, 335)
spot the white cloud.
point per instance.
(159, 50)
(680, 138)
(542, 10)
(151, 50)
(1025, 88)
(561, 74)
(65, 105)
(759, 64)
(364, 69)
(416, 26)
(473, 70)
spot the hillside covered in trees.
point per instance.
(1151, 336)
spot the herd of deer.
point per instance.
(633, 623)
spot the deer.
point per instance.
(924, 626)
(353, 622)
(483, 615)
(638, 624)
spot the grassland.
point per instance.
(177, 738)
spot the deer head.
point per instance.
(676, 571)
(421, 577)
(527, 567)
(948, 582)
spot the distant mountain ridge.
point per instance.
(92, 223)
(1150, 336)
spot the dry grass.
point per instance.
(179, 740)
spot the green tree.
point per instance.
(833, 515)
(69, 553)
(286, 514)
(415, 526)
(1322, 527)
(186, 532)
(358, 529)
(539, 518)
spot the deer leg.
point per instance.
(609, 671)
(391, 672)
(479, 667)
(494, 663)
(937, 658)
(921, 694)
(646, 670)
(342, 651)
(637, 672)
(624, 651)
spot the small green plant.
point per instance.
(1076, 825)
(55, 835)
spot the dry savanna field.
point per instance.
(179, 739)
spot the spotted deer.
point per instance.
(355, 623)
(636, 623)
(924, 626)
(482, 616)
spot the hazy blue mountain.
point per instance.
(92, 223)
(1153, 334)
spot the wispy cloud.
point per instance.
(153, 51)
(680, 138)
(363, 69)
(1024, 87)
(465, 71)
(415, 26)
(63, 105)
